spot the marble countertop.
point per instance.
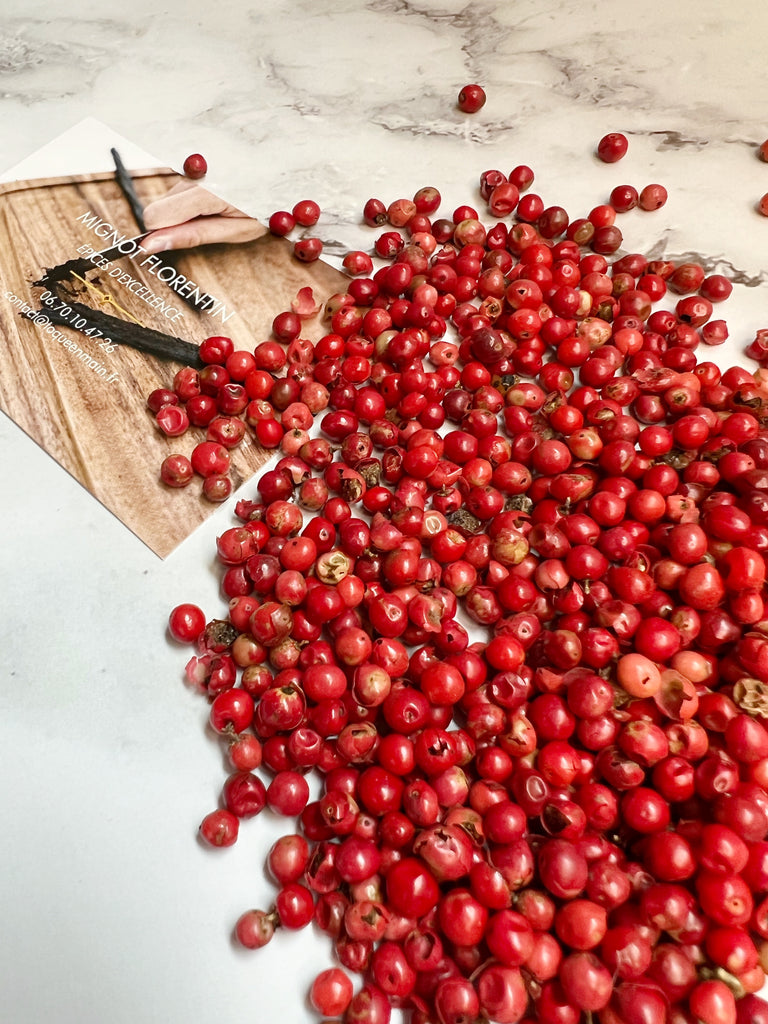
(111, 910)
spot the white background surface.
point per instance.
(111, 910)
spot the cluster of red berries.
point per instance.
(565, 820)
(613, 147)
(306, 214)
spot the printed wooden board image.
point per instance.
(84, 400)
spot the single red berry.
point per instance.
(216, 349)
(358, 262)
(411, 887)
(255, 928)
(306, 212)
(612, 147)
(307, 249)
(220, 828)
(281, 223)
(160, 397)
(286, 326)
(210, 459)
(522, 176)
(624, 198)
(195, 166)
(716, 287)
(712, 1002)
(226, 430)
(217, 487)
(294, 905)
(471, 99)
(244, 793)
(176, 471)
(374, 213)
(652, 197)
(172, 420)
(331, 992)
(186, 622)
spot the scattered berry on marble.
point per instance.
(612, 147)
(471, 99)
(652, 197)
(306, 213)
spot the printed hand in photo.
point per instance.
(189, 216)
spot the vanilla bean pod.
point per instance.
(53, 275)
(145, 339)
(125, 181)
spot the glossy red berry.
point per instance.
(612, 147)
(471, 99)
(186, 623)
(195, 166)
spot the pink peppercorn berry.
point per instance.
(471, 99)
(306, 213)
(282, 223)
(217, 487)
(186, 622)
(308, 249)
(652, 197)
(612, 147)
(172, 420)
(255, 928)
(176, 471)
(195, 166)
(220, 828)
(210, 459)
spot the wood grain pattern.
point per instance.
(102, 433)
